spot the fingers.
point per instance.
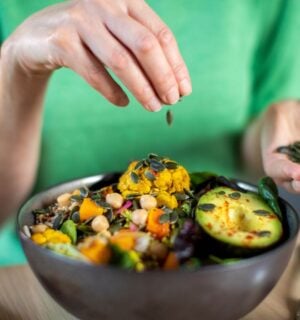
(141, 12)
(108, 50)
(147, 50)
(94, 73)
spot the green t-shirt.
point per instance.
(242, 56)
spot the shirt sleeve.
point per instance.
(276, 70)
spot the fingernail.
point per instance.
(122, 101)
(185, 87)
(296, 185)
(153, 105)
(172, 96)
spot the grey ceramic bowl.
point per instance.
(100, 292)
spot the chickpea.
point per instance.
(115, 200)
(148, 202)
(39, 228)
(100, 223)
(139, 217)
(64, 199)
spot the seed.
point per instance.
(171, 165)
(139, 217)
(75, 216)
(134, 177)
(206, 207)
(58, 220)
(181, 196)
(164, 218)
(148, 202)
(115, 200)
(100, 223)
(261, 212)
(169, 117)
(157, 166)
(149, 175)
(234, 195)
(139, 165)
(264, 233)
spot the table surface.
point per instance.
(23, 298)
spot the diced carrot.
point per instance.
(89, 209)
(158, 229)
(171, 262)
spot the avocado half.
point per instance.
(239, 220)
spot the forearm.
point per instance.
(21, 100)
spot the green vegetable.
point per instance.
(124, 259)
(69, 228)
(200, 177)
(218, 260)
(66, 249)
(235, 222)
(268, 191)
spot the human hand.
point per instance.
(280, 128)
(87, 36)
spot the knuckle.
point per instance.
(118, 60)
(165, 80)
(145, 42)
(180, 70)
(165, 36)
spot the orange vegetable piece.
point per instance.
(125, 240)
(158, 229)
(171, 262)
(97, 252)
(89, 209)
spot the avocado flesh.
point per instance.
(239, 219)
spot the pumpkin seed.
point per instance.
(221, 193)
(234, 195)
(171, 165)
(109, 214)
(157, 166)
(264, 233)
(132, 196)
(39, 211)
(154, 156)
(102, 204)
(149, 175)
(76, 198)
(134, 177)
(292, 151)
(169, 117)
(261, 212)
(173, 217)
(139, 165)
(57, 221)
(84, 192)
(164, 218)
(206, 207)
(181, 196)
(75, 216)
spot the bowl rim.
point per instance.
(243, 263)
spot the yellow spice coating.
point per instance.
(50, 236)
(168, 180)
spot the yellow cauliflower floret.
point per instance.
(50, 236)
(166, 199)
(138, 181)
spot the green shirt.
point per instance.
(242, 56)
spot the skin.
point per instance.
(125, 36)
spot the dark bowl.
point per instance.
(103, 292)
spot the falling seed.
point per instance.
(206, 207)
(169, 117)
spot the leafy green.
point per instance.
(200, 177)
(267, 189)
(69, 228)
(218, 260)
(124, 259)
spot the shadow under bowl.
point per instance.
(103, 292)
